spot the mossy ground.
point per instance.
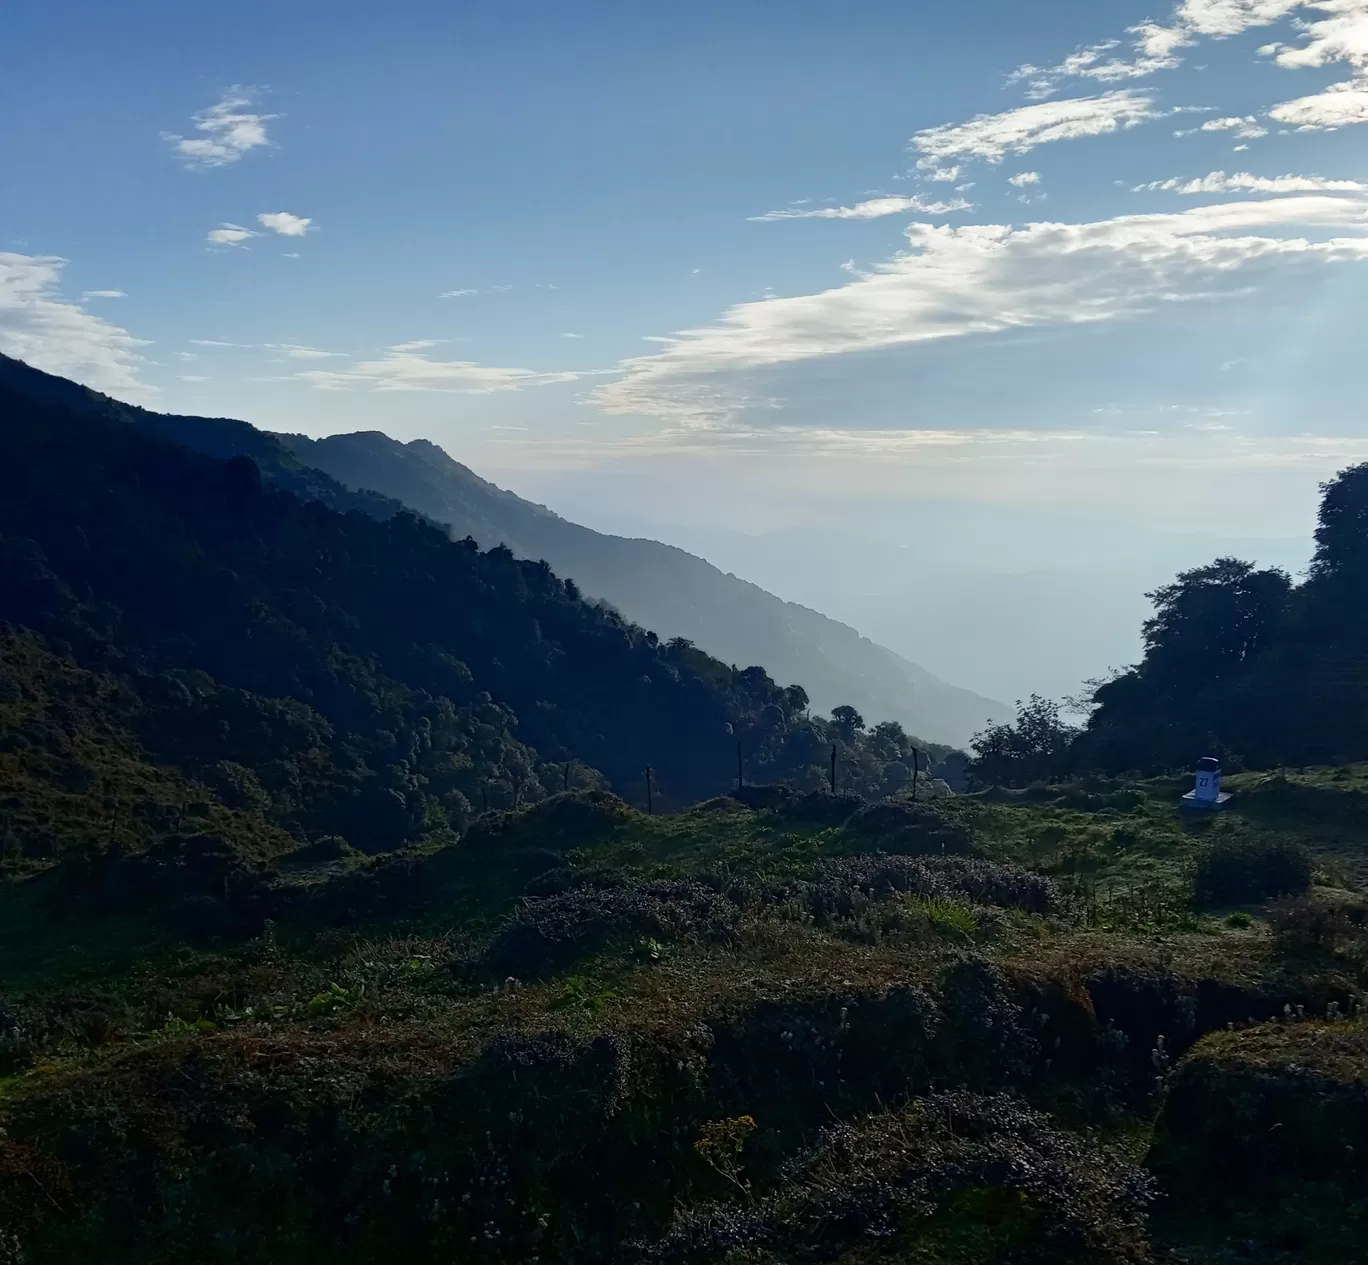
(354, 1079)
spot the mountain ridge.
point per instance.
(661, 586)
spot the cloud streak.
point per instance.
(994, 136)
(229, 235)
(982, 279)
(405, 368)
(1244, 182)
(872, 209)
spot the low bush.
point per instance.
(841, 888)
(987, 1174)
(1331, 922)
(912, 829)
(1234, 871)
(550, 931)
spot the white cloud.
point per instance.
(945, 175)
(404, 368)
(229, 235)
(1340, 105)
(456, 294)
(1247, 127)
(1341, 35)
(1153, 40)
(284, 223)
(576, 336)
(295, 352)
(980, 279)
(103, 294)
(1023, 178)
(39, 326)
(230, 131)
(871, 209)
(1231, 17)
(1244, 182)
(1155, 48)
(994, 136)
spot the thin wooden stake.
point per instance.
(650, 801)
(916, 768)
(567, 775)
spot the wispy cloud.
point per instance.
(978, 279)
(994, 136)
(229, 235)
(1340, 105)
(295, 352)
(457, 294)
(405, 368)
(230, 129)
(1153, 48)
(1246, 127)
(1244, 182)
(1024, 178)
(284, 223)
(871, 209)
(103, 294)
(1333, 31)
(39, 326)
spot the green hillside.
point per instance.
(998, 1030)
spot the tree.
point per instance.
(1211, 621)
(1337, 588)
(846, 722)
(1035, 748)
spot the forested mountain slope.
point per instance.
(662, 587)
(170, 621)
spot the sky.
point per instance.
(927, 315)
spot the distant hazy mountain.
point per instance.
(663, 588)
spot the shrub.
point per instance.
(548, 932)
(840, 888)
(1237, 872)
(912, 829)
(1324, 923)
(991, 1167)
(562, 822)
(320, 851)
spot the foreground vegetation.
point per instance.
(1012, 1026)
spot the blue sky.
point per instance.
(740, 266)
